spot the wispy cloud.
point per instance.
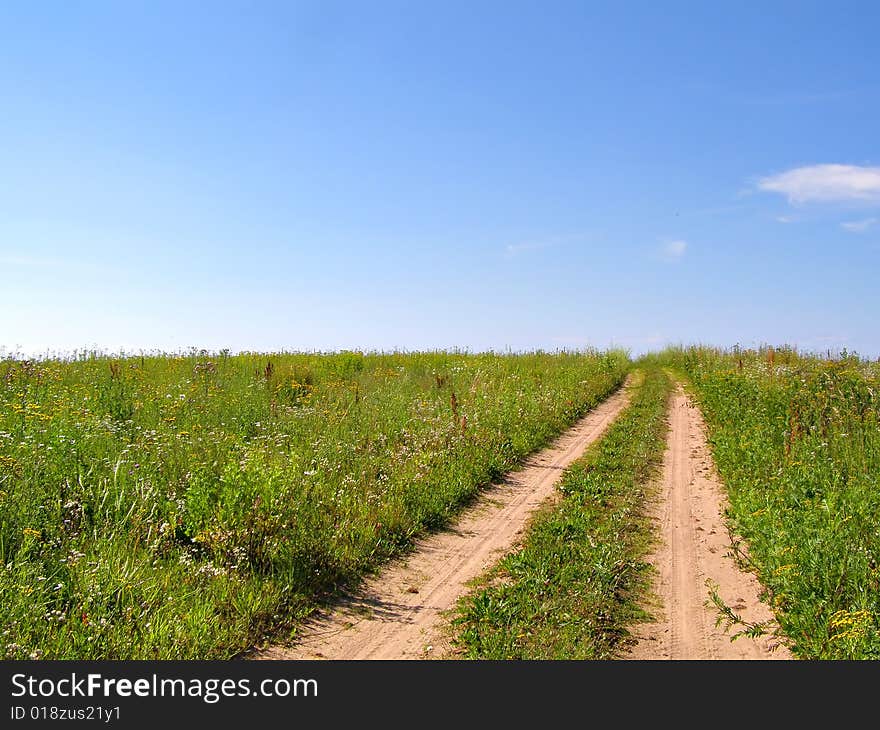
(515, 249)
(524, 247)
(26, 260)
(53, 264)
(784, 219)
(825, 184)
(824, 342)
(859, 226)
(715, 210)
(673, 250)
(776, 97)
(798, 98)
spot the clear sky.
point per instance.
(484, 175)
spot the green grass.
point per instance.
(577, 582)
(183, 507)
(797, 442)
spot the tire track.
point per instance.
(695, 548)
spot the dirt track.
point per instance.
(694, 546)
(399, 614)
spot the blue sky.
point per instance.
(481, 175)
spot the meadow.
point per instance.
(797, 441)
(187, 506)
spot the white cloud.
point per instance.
(859, 226)
(785, 219)
(825, 184)
(674, 249)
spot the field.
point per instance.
(797, 442)
(186, 506)
(201, 505)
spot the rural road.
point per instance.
(694, 547)
(400, 613)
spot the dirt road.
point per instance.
(399, 614)
(693, 548)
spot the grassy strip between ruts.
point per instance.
(575, 585)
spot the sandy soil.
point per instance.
(399, 614)
(695, 547)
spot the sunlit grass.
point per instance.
(186, 506)
(797, 442)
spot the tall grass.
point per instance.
(184, 506)
(797, 442)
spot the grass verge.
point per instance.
(573, 588)
(797, 442)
